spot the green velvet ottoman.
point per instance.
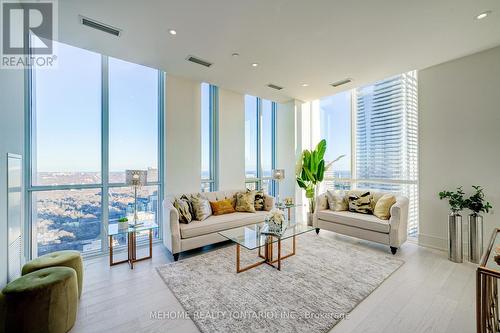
(42, 301)
(71, 259)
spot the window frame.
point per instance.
(30, 244)
(213, 108)
(259, 179)
(354, 180)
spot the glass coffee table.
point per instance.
(251, 238)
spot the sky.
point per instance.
(335, 127)
(68, 114)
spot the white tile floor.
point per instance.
(427, 294)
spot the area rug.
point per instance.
(314, 290)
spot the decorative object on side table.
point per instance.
(477, 205)
(310, 172)
(278, 175)
(136, 178)
(457, 203)
(288, 201)
(275, 223)
(122, 223)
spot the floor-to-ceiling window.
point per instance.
(335, 127)
(209, 137)
(91, 118)
(260, 143)
(379, 122)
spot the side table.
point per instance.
(131, 232)
(487, 276)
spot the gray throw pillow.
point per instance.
(337, 200)
(182, 207)
(362, 203)
(201, 207)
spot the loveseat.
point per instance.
(392, 232)
(179, 237)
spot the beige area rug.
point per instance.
(314, 290)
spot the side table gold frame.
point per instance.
(487, 292)
(131, 249)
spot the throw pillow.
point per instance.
(182, 207)
(185, 197)
(222, 207)
(337, 200)
(201, 207)
(245, 202)
(361, 203)
(383, 206)
(259, 200)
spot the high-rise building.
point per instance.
(386, 138)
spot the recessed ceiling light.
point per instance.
(172, 32)
(235, 54)
(483, 15)
(305, 85)
(255, 64)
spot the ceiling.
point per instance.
(294, 41)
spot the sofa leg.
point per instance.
(176, 256)
(317, 231)
(394, 250)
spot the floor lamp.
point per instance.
(278, 175)
(136, 178)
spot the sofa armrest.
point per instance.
(399, 221)
(321, 202)
(171, 230)
(269, 202)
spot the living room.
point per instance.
(249, 166)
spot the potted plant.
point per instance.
(123, 223)
(476, 203)
(457, 203)
(310, 173)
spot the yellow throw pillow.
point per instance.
(383, 206)
(222, 207)
(245, 202)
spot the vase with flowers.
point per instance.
(275, 223)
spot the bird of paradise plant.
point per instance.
(311, 169)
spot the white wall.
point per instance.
(182, 135)
(459, 130)
(11, 141)
(231, 140)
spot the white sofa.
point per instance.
(392, 232)
(179, 237)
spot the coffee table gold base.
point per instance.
(268, 255)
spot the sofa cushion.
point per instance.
(245, 202)
(363, 221)
(337, 200)
(222, 207)
(383, 206)
(259, 200)
(362, 203)
(182, 206)
(201, 207)
(220, 222)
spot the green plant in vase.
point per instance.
(123, 222)
(311, 171)
(457, 203)
(476, 201)
(477, 204)
(455, 199)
